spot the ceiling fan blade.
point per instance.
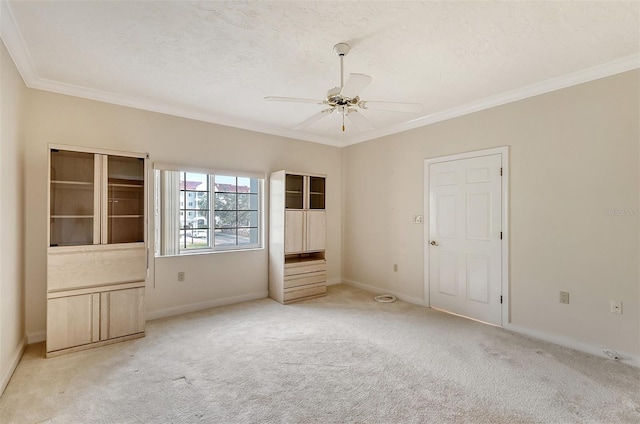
(313, 118)
(294, 100)
(354, 85)
(392, 106)
(359, 120)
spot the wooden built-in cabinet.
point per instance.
(97, 254)
(82, 319)
(297, 237)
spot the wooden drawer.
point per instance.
(304, 279)
(310, 290)
(295, 268)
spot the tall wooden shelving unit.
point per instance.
(97, 254)
(297, 237)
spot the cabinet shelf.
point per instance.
(71, 216)
(304, 257)
(126, 216)
(122, 185)
(79, 183)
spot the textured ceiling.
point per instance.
(216, 61)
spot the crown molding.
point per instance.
(590, 74)
(15, 44)
(173, 110)
(18, 51)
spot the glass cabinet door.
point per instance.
(316, 192)
(72, 199)
(95, 199)
(125, 200)
(294, 188)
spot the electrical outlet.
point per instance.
(418, 219)
(616, 306)
(181, 276)
(564, 297)
(395, 267)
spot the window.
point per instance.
(222, 212)
(194, 229)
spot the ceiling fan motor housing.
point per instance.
(335, 99)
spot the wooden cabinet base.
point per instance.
(300, 299)
(309, 291)
(76, 318)
(92, 345)
(304, 277)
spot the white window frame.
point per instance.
(167, 195)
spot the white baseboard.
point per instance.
(625, 358)
(36, 337)
(193, 307)
(378, 290)
(15, 359)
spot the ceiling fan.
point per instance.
(345, 100)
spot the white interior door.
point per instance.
(465, 219)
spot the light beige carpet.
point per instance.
(339, 359)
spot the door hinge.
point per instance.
(500, 235)
(500, 298)
(500, 171)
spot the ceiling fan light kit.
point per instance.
(345, 100)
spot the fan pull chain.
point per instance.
(343, 122)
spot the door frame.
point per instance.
(505, 310)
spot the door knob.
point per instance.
(434, 243)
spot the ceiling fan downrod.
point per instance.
(341, 49)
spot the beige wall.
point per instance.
(574, 154)
(12, 107)
(211, 279)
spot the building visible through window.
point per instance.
(215, 212)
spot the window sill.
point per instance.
(210, 252)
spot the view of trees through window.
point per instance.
(235, 211)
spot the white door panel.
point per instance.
(478, 277)
(446, 226)
(479, 216)
(446, 271)
(465, 218)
